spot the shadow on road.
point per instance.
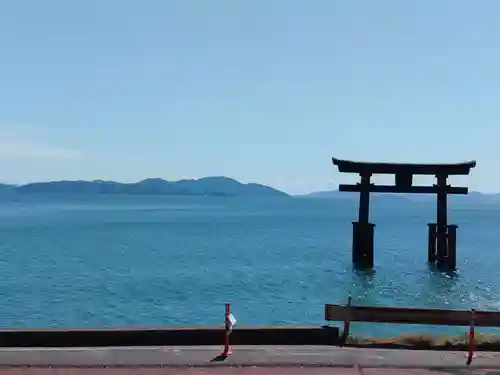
(219, 358)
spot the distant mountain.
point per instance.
(472, 197)
(323, 194)
(211, 186)
(340, 195)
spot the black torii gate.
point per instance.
(442, 236)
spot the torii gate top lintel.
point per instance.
(350, 166)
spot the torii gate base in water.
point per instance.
(442, 236)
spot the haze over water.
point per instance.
(139, 260)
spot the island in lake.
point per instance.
(207, 186)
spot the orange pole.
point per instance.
(471, 338)
(227, 331)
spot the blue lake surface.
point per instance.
(144, 260)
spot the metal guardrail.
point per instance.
(405, 315)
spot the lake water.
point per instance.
(136, 261)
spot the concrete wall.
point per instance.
(169, 336)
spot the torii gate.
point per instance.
(442, 236)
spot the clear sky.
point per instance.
(259, 90)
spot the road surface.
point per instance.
(245, 360)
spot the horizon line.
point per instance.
(215, 176)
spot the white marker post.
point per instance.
(229, 323)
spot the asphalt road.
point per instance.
(244, 356)
(238, 371)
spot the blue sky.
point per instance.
(261, 90)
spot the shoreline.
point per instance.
(426, 341)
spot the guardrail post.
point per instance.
(470, 354)
(347, 325)
(227, 331)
